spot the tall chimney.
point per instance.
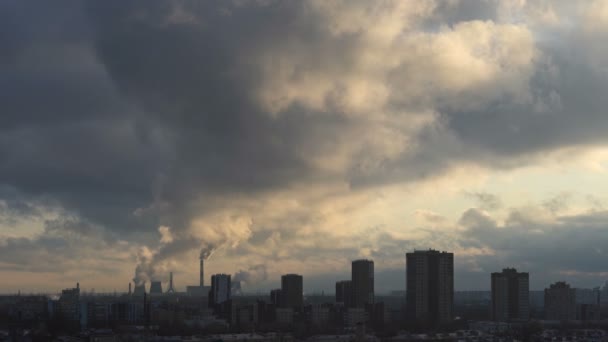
(202, 275)
(129, 288)
(171, 289)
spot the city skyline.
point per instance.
(272, 137)
(359, 272)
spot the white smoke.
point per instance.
(207, 234)
(253, 275)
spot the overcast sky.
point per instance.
(296, 136)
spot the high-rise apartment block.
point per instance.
(220, 289)
(344, 293)
(292, 291)
(510, 296)
(362, 283)
(560, 302)
(430, 287)
(69, 304)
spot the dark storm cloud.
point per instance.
(510, 130)
(128, 115)
(133, 102)
(187, 79)
(549, 250)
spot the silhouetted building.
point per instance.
(139, 290)
(362, 283)
(284, 316)
(510, 296)
(198, 291)
(588, 296)
(560, 303)
(275, 297)
(588, 304)
(588, 312)
(344, 293)
(220, 289)
(292, 291)
(319, 315)
(377, 314)
(430, 287)
(156, 288)
(69, 305)
(354, 317)
(266, 312)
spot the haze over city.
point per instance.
(276, 137)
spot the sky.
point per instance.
(296, 136)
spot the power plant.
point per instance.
(199, 290)
(140, 290)
(156, 288)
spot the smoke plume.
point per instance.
(207, 252)
(252, 275)
(206, 234)
(152, 264)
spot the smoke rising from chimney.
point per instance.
(207, 252)
(206, 234)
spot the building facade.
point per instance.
(430, 287)
(69, 305)
(292, 291)
(344, 293)
(362, 283)
(560, 302)
(220, 289)
(510, 296)
(588, 304)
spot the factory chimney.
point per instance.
(202, 274)
(129, 289)
(171, 289)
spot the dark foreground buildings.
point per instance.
(344, 293)
(430, 287)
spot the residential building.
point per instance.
(430, 287)
(560, 302)
(292, 291)
(344, 293)
(510, 296)
(220, 289)
(362, 283)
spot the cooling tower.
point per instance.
(156, 288)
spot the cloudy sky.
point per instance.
(296, 136)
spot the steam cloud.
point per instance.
(252, 275)
(207, 252)
(152, 265)
(206, 234)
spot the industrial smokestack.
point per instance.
(129, 288)
(202, 270)
(171, 289)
